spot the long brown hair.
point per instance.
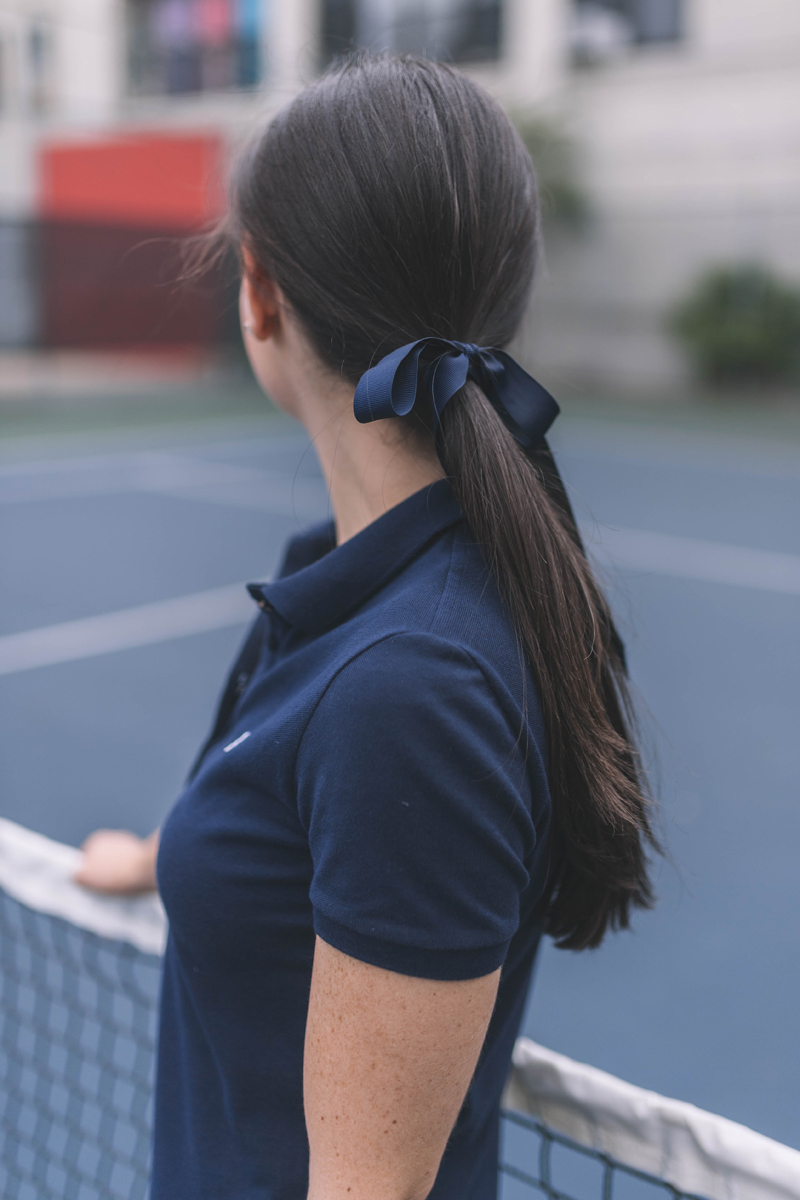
(393, 200)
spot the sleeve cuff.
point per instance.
(410, 960)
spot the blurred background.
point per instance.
(665, 133)
(143, 478)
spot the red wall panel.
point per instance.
(107, 286)
(148, 180)
(112, 214)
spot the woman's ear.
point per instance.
(259, 301)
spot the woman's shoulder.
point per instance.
(408, 678)
(446, 623)
(406, 662)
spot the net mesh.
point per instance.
(77, 1041)
(538, 1161)
(77, 1037)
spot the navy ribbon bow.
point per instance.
(441, 367)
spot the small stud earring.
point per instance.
(248, 325)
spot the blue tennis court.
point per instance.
(114, 547)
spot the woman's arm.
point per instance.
(388, 1060)
(118, 862)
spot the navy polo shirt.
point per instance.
(376, 777)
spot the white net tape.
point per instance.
(107, 941)
(690, 1149)
(38, 873)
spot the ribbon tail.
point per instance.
(526, 407)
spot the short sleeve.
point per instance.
(413, 788)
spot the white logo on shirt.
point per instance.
(238, 742)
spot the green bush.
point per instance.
(556, 162)
(741, 325)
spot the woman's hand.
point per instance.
(118, 862)
(388, 1060)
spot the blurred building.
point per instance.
(117, 116)
(689, 120)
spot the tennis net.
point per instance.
(78, 994)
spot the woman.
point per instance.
(421, 760)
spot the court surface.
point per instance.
(120, 610)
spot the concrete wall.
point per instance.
(71, 83)
(692, 158)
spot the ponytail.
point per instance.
(517, 508)
(392, 200)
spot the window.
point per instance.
(39, 70)
(638, 21)
(455, 30)
(655, 20)
(180, 46)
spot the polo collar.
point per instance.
(323, 592)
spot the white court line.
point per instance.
(715, 450)
(145, 625)
(219, 608)
(694, 558)
(150, 472)
(278, 493)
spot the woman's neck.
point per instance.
(368, 468)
